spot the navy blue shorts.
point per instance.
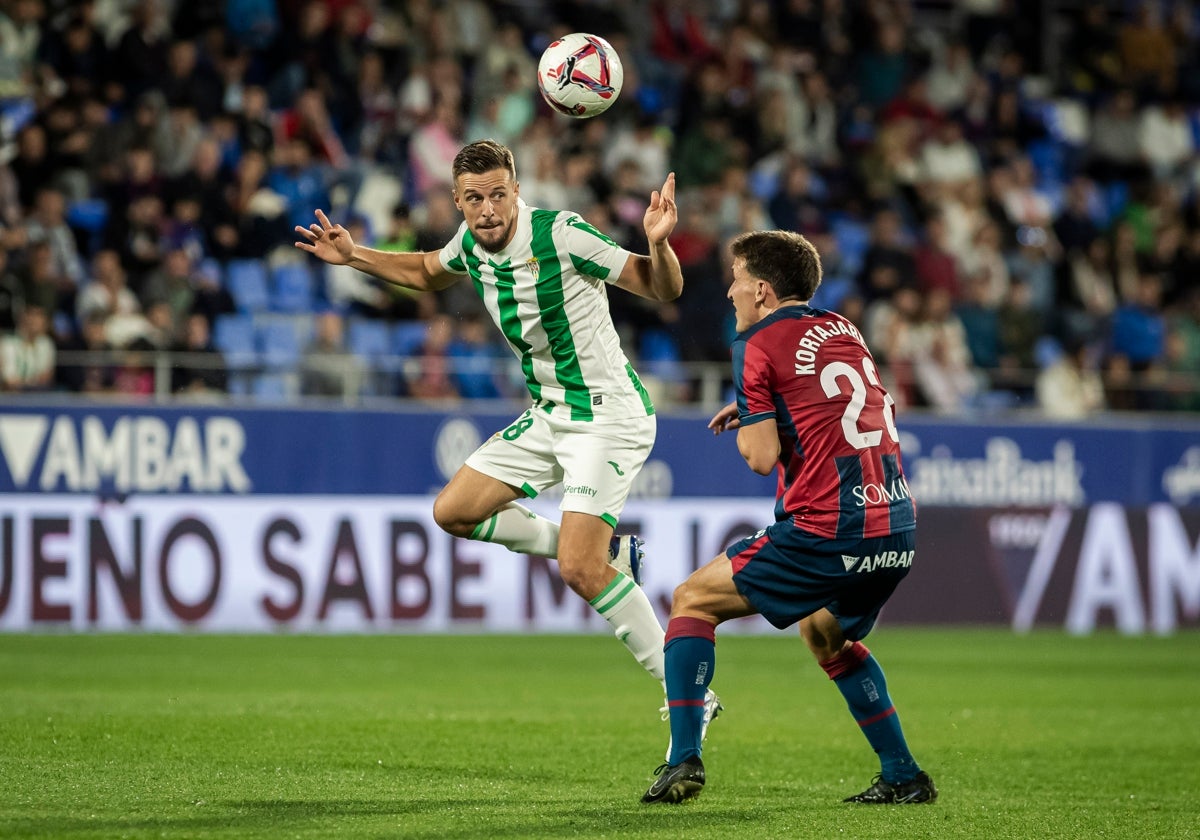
(788, 574)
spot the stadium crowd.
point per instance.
(1003, 192)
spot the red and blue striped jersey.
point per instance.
(840, 474)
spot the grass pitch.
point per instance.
(1039, 736)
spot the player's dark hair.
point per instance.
(484, 156)
(786, 261)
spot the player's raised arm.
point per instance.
(421, 270)
(657, 276)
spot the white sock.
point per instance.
(628, 611)
(521, 530)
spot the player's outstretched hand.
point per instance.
(662, 214)
(725, 419)
(326, 240)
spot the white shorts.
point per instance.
(596, 463)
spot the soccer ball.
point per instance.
(580, 75)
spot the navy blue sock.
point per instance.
(860, 679)
(690, 652)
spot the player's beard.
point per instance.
(493, 239)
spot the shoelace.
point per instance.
(658, 771)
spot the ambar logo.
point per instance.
(135, 454)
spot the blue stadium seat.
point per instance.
(247, 282)
(368, 339)
(1116, 196)
(89, 214)
(833, 291)
(272, 387)
(853, 239)
(408, 336)
(280, 343)
(293, 288)
(233, 335)
(659, 356)
(1048, 161)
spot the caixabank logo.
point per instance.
(85, 453)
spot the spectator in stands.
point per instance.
(137, 238)
(12, 294)
(1126, 262)
(1183, 355)
(201, 369)
(949, 78)
(981, 321)
(140, 57)
(107, 292)
(476, 360)
(190, 81)
(1091, 58)
(794, 207)
(1032, 263)
(48, 223)
(308, 120)
(704, 152)
(27, 356)
(210, 297)
(255, 129)
(32, 166)
(1116, 146)
(1139, 327)
(84, 365)
(184, 134)
(888, 263)
(1165, 141)
(349, 290)
(883, 69)
(641, 142)
(39, 285)
(986, 261)
(328, 369)
(818, 123)
(298, 178)
(1025, 204)
(1070, 388)
(947, 158)
(430, 376)
(933, 264)
(1092, 288)
(1021, 325)
(20, 38)
(432, 148)
(134, 375)
(1147, 49)
(1076, 225)
(941, 360)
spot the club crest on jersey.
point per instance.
(534, 267)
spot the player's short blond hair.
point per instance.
(483, 156)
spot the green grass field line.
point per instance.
(1037, 736)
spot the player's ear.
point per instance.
(457, 200)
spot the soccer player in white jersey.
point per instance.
(542, 275)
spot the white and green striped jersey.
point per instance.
(545, 291)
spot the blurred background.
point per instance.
(1003, 192)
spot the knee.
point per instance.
(586, 578)
(683, 599)
(450, 519)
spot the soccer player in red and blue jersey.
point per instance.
(811, 408)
